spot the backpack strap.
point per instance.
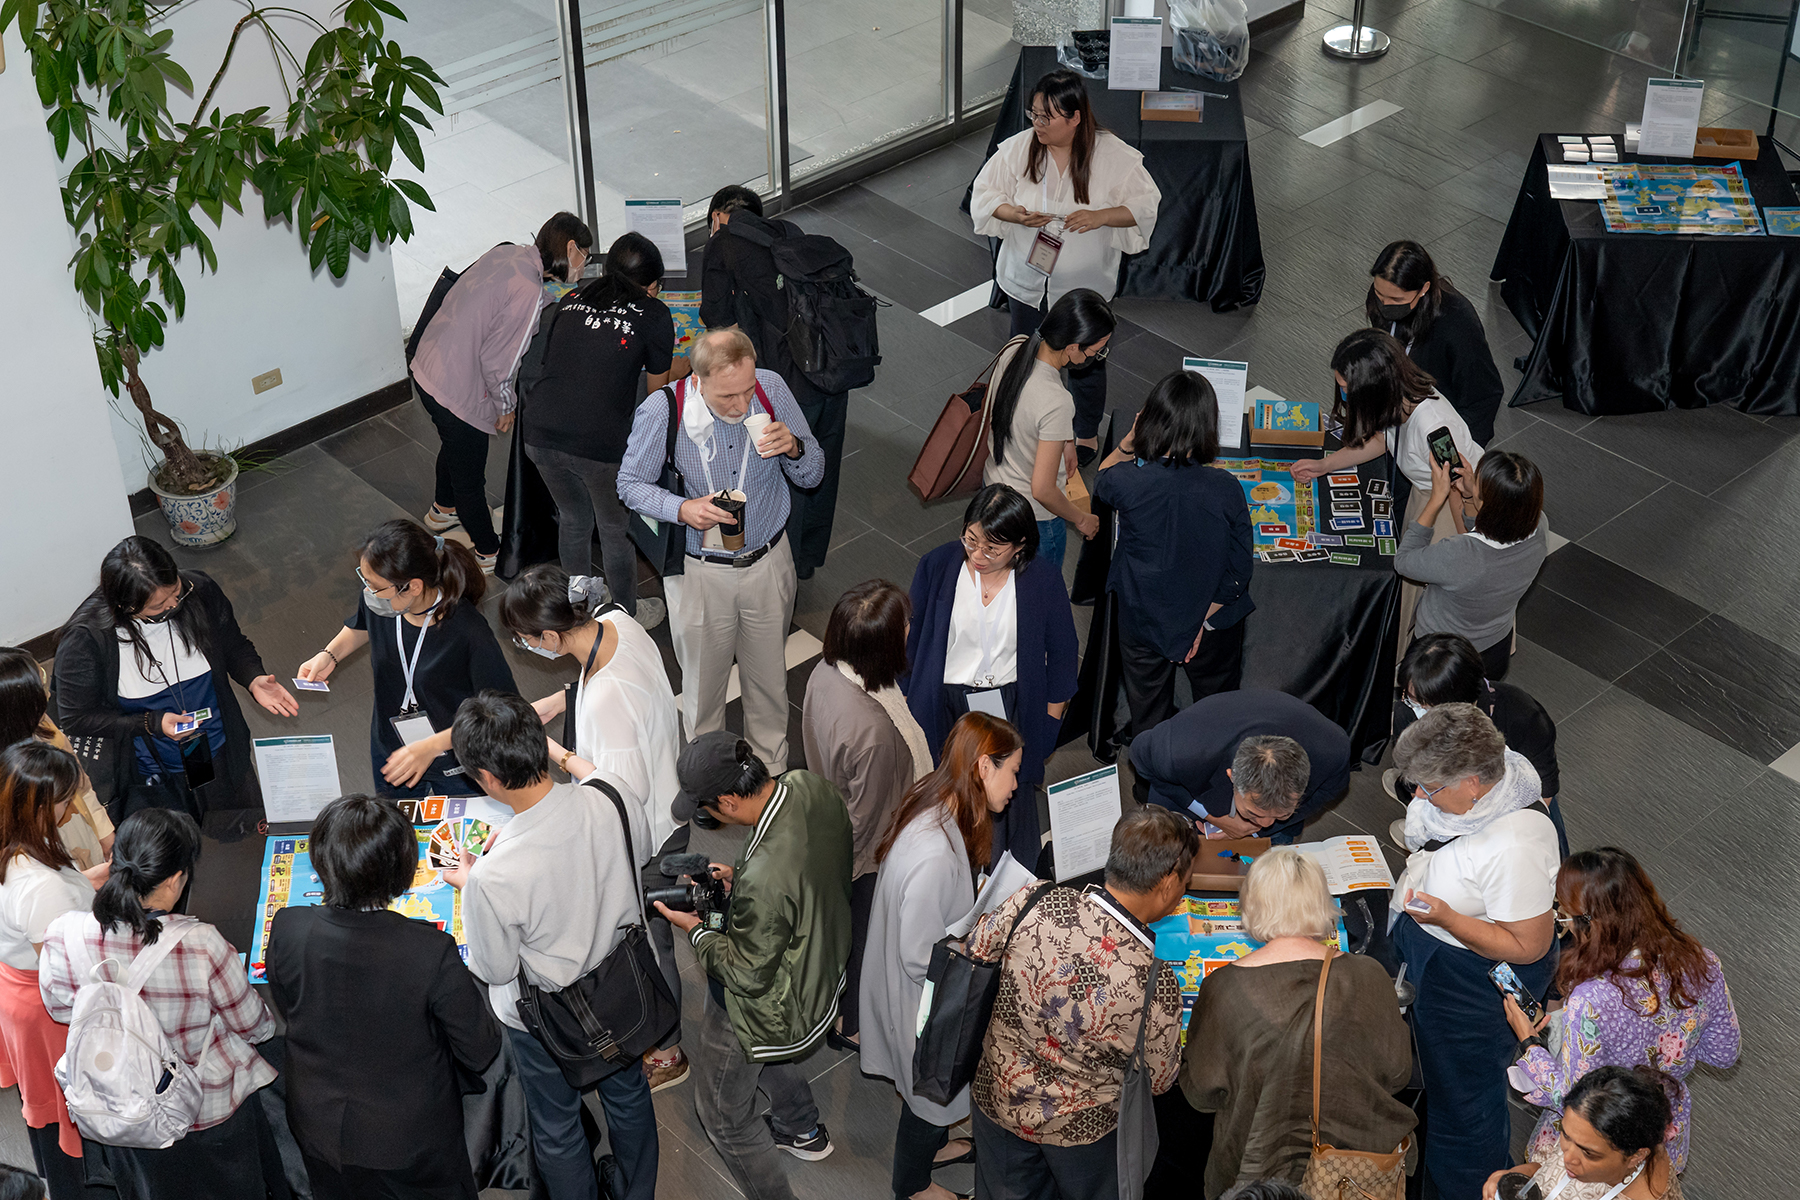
(763, 397)
(674, 394)
(150, 957)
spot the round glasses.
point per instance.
(985, 550)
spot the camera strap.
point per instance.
(637, 881)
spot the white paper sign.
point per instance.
(1083, 811)
(660, 221)
(1671, 117)
(1007, 877)
(299, 776)
(1228, 380)
(1134, 55)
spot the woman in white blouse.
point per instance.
(1068, 201)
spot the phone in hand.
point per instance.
(1418, 906)
(1508, 982)
(1443, 447)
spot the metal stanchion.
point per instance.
(1355, 41)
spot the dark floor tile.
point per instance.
(1288, 174)
(1717, 443)
(923, 241)
(1583, 487)
(365, 440)
(1145, 354)
(1716, 704)
(1453, 28)
(871, 426)
(874, 555)
(1368, 213)
(1769, 671)
(1625, 597)
(941, 170)
(945, 210)
(294, 460)
(406, 475)
(1552, 680)
(1581, 635)
(1773, 483)
(988, 328)
(1700, 549)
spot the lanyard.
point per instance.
(986, 631)
(706, 452)
(599, 633)
(1629, 1180)
(407, 668)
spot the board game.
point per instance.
(1279, 507)
(685, 308)
(1674, 198)
(1205, 934)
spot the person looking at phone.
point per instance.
(1640, 990)
(1476, 892)
(1612, 1145)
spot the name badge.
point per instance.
(1044, 250)
(413, 727)
(988, 702)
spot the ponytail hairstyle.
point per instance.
(402, 551)
(1064, 93)
(553, 243)
(129, 574)
(1408, 267)
(151, 847)
(547, 599)
(1380, 379)
(633, 266)
(23, 701)
(34, 779)
(1081, 318)
(957, 787)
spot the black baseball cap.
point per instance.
(708, 767)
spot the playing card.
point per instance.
(477, 835)
(1382, 508)
(1346, 506)
(1325, 539)
(312, 685)
(1345, 494)
(1359, 539)
(1278, 556)
(1386, 546)
(1274, 529)
(1293, 543)
(1378, 487)
(1348, 480)
(1342, 523)
(1347, 560)
(1313, 555)
(1384, 528)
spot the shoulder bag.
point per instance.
(607, 1020)
(1138, 1140)
(664, 543)
(956, 449)
(960, 991)
(1334, 1174)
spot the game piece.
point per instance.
(312, 685)
(1359, 539)
(1347, 560)
(1342, 523)
(1348, 480)
(1385, 546)
(1313, 555)
(1384, 528)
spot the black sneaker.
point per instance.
(811, 1147)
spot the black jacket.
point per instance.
(738, 287)
(1454, 351)
(380, 1013)
(85, 688)
(1521, 720)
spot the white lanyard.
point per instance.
(706, 452)
(986, 631)
(407, 668)
(1629, 1180)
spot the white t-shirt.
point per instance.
(1506, 872)
(626, 724)
(1045, 413)
(1410, 441)
(978, 631)
(179, 661)
(33, 896)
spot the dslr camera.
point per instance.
(704, 895)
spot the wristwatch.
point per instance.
(1536, 1039)
(562, 764)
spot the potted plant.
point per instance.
(104, 73)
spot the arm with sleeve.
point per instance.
(1240, 559)
(746, 958)
(83, 706)
(462, 1012)
(807, 470)
(492, 935)
(642, 467)
(236, 653)
(505, 342)
(1134, 190)
(1445, 562)
(718, 296)
(56, 977)
(237, 1006)
(995, 185)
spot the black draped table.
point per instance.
(1205, 245)
(1639, 322)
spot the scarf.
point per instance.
(893, 703)
(1426, 822)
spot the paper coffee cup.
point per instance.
(756, 422)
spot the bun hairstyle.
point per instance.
(553, 243)
(547, 599)
(151, 847)
(34, 779)
(633, 264)
(23, 701)
(402, 551)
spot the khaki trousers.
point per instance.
(719, 614)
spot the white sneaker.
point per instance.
(487, 562)
(439, 521)
(650, 612)
(1389, 778)
(1397, 834)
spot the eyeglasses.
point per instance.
(1041, 119)
(174, 606)
(1430, 791)
(985, 550)
(1100, 354)
(1570, 921)
(373, 590)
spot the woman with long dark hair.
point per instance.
(1033, 414)
(1440, 330)
(578, 417)
(1068, 200)
(468, 355)
(1182, 565)
(992, 632)
(938, 839)
(143, 653)
(1638, 991)
(86, 832)
(198, 993)
(1612, 1141)
(429, 587)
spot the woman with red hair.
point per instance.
(1640, 992)
(941, 835)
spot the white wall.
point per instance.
(61, 501)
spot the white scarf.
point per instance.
(1426, 822)
(893, 703)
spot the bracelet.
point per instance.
(562, 764)
(334, 658)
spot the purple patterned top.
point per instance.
(1602, 1027)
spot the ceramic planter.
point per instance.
(202, 519)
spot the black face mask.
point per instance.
(1394, 312)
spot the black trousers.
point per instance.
(443, 1176)
(237, 1159)
(462, 473)
(811, 510)
(862, 906)
(1496, 660)
(66, 1177)
(1087, 383)
(1007, 1167)
(916, 1143)
(1218, 666)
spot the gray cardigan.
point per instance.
(1473, 586)
(851, 741)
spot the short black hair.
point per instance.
(1004, 516)
(20, 1183)
(500, 733)
(1147, 846)
(755, 773)
(553, 243)
(1511, 489)
(867, 632)
(1179, 421)
(364, 850)
(23, 700)
(732, 197)
(1442, 668)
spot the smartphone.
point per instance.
(1418, 906)
(1443, 447)
(1508, 982)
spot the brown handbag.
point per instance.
(1333, 1174)
(956, 450)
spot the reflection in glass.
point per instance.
(860, 73)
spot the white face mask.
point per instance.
(1418, 710)
(540, 651)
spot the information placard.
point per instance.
(1083, 811)
(1134, 55)
(299, 776)
(1229, 381)
(1671, 117)
(660, 221)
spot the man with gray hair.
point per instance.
(735, 600)
(1249, 763)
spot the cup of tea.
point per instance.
(755, 423)
(732, 532)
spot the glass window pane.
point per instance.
(989, 52)
(860, 73)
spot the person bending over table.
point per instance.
(1250, 763)
(1612, 1144)
(1473, 582)
(1440, 330)
(1476, 892)
(1067, 200)
(436, 652)
(1182, 566)
(992, 632)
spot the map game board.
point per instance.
(1204, 934)
(685, 308)
(1672, 198)
(1279, 508)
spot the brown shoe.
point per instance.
(666, 1075)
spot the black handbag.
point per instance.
(664, 543)
(1137, 1139)
(963, 989)
(607, 1020)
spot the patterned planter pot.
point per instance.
(204, 519)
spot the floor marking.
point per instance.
(1349, 123)
(958, 307)
(1788, 764)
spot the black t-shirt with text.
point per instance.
(583, 405)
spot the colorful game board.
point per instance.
(685, 308)
(1673, 198)
(1279, 507)
(1205, 934)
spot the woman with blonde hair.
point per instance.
(1249, 1054)
(941, 835)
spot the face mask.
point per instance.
(379, 606)
(1418, 710)
(1394, 312)
(540, 651)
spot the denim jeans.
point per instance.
(564, 1162)
(725, 1085)
(1053, 540)
(586, 492)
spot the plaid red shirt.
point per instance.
(199, 981)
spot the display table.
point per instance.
(1638, 322)
(1205, 245)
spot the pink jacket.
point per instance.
(469, 352)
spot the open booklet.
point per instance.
(1006, 878)
(1352, 864)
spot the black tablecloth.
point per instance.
(1322, 632)
(1637, 322)
(1205, 245)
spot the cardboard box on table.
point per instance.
(1210, 873)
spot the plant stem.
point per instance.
(254, 14)
(182, 469)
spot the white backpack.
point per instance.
(118, 1055)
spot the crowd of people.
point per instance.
(925, 730)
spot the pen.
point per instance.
(1198, 92)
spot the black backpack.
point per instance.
(831, 321)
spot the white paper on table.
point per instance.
(1134, 55)
(660, 221)
(1671, 117)
(1352, 864)
(1229, 380)
(1006, 878)
(299, 776)
(1576, 183)
(1083, 811)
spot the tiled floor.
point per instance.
(1663, 638)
